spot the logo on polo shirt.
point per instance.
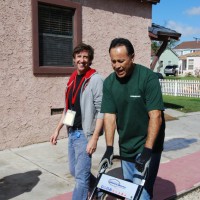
(135, 96)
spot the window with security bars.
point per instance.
(55, 35)
(56, 31)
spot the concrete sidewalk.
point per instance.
(41, 171)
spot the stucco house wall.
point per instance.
(26, 100)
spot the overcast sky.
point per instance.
(182, 16)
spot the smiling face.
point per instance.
(122, 63)
(82, 62)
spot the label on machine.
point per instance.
(117, 186)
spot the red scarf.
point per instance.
(72, 79)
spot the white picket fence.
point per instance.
(180, 87)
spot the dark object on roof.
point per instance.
(151, 1)
(188, 45)
(162, 33)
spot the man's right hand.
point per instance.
(107, 157)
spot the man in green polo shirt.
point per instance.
(132, 101)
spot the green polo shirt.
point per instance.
(131, 99)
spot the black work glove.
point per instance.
(141, 160)
(107, 157)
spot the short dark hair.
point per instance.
(122, 42)
(84, 47)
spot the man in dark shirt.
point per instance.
(132, 100)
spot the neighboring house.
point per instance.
(168, 57)
(36, 42)
(187, 47)
(190, 63)
(189, 56)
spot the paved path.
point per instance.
(174, 178)
(177, 176)
(41, 171)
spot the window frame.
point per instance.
(190, 64)
(169, 62)
(77, 36)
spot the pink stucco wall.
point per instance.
(26, 100)
(106, 20)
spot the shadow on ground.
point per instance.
(169, 118)
(16, 184)
(178, 143)
(172, 106)
(164, 189)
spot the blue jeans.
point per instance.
(79, 164)
(129, 169)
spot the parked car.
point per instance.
(159, 75)
(171, 70)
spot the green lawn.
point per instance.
(182, 78)
(183, 104)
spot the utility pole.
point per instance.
(197, 39)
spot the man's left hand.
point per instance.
(141, 161)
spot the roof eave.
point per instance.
(161, 33)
